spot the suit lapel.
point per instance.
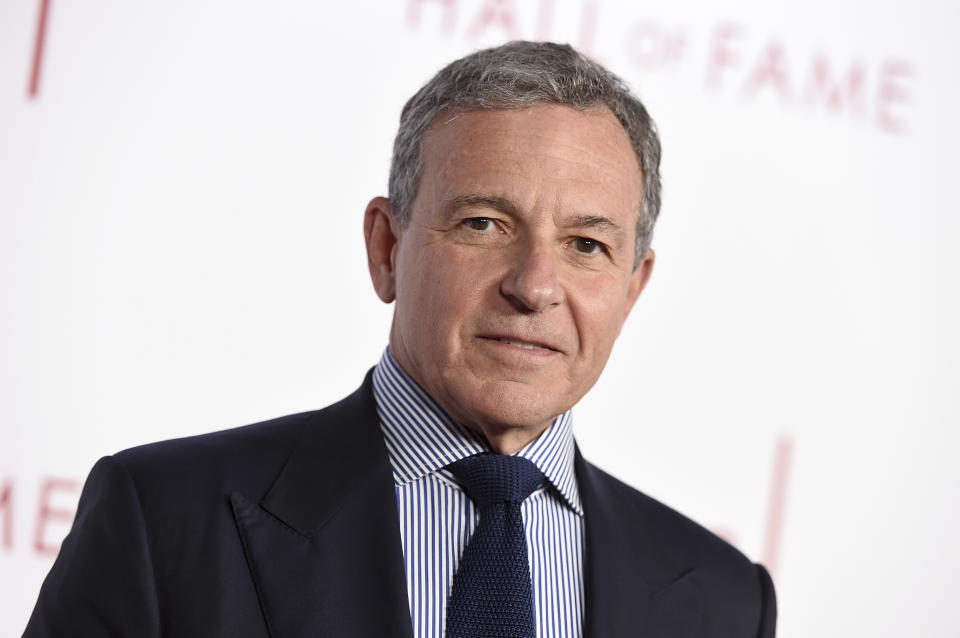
(632, 586)
(324, 544)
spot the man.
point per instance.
(523, 192)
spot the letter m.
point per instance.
(837, 93)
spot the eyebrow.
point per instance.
(595, 221)
(474, 200)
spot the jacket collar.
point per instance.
(323, 545)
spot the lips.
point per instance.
(526, 342)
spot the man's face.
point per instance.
(515, 273)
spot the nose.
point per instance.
(531, 284)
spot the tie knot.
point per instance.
(496, 478)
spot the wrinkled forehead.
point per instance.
(588, 152)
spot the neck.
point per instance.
(509, 440)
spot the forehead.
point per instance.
(582, 159)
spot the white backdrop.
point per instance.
(181, 194)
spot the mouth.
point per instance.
(525, 344)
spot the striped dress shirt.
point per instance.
(437, 518)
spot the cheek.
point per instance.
(599, 314)
(446, 295)
(465, 275)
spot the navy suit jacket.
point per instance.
(290, 528)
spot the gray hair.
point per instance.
(514, 76)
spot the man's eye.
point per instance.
(587, 246)
(479, 223)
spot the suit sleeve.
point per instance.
(768, 605)
(102, 582)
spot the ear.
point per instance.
(638, 281)
(381, 231)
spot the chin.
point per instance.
(509, 404)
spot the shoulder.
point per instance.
(243, 459)
(686, 540)
(248, 459)
(738, 593)
(265, 437)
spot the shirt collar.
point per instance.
(422, 438)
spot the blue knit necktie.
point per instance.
(491, 596)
